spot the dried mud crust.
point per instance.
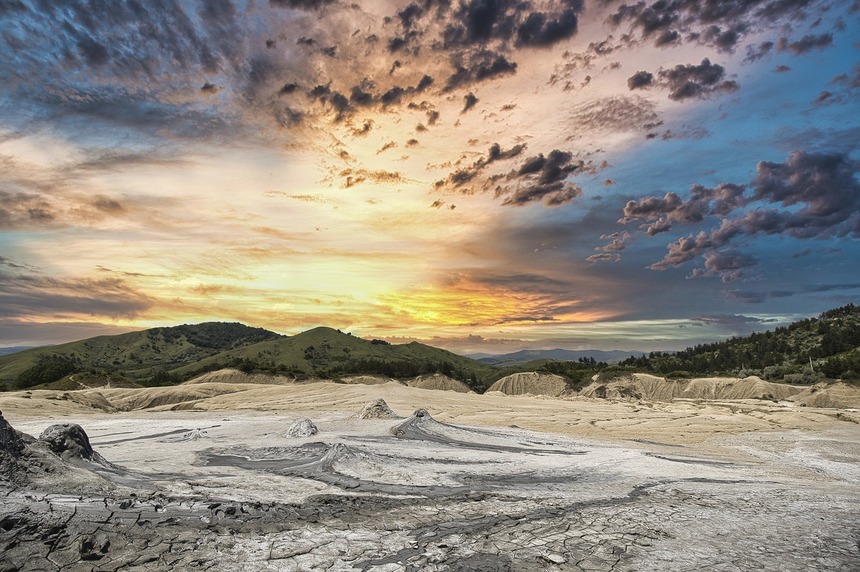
(423, 495)
(649, 528)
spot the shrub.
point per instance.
(47, 371)
(679, 374)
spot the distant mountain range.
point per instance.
(524, 356)
(13, 349)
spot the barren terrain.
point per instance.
(210, 476)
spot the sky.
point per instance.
(480, 175)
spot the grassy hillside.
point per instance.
(328, 353)
(162, 356)
(136, 355)
(802, 352)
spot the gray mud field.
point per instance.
(174, 491)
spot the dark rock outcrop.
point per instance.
(11, 443)
(68, 441)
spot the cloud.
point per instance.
(762, 296)
(481, 66)
(460, 177)
(539, 29)
(353, 177)
(724, 39)
(696, 81)
(302, 4)
(469, 102)
(26, 294)
(720, 200)
(479, 22)
(639, 80)
(540, 178)
(721, 24)
(808, 196)
(543, 179)
(729, 265)
(616, 114)
(604, 257)
(756, 53)
(805, 44)
(4, 261)
(209, 88)
(755, 297)
(732, 322)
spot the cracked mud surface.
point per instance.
(418, 494)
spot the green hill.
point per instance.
(136, 355)
(329, 353)
(163, 356)
(802, 352)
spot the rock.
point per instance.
(69, 441)
(554, 558)
(10, 440)
(377, 409)
(302, 428)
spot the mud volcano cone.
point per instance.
(302, 428)
(377, 409)
(419, 425)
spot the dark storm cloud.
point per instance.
(809, 196)
(209, 88)
(469, 101)
(302, 4)
(479, 22)
(459, 178)
(539, 178)
(824, 186)
(543, 179)
(721, 24)
(719, 201)
(639, 80)
(805, 44)
(288, 89)
(696, 81)
(539, 29)
(724, 39)
(481, 66)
